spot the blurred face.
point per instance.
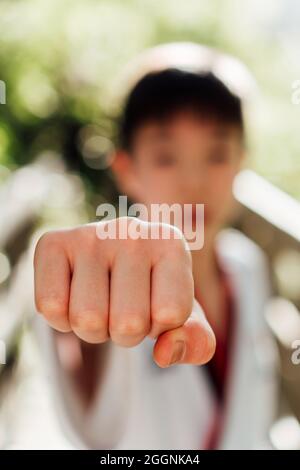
(184, 160)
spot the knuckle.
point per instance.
(51, 308)
(48, 239)
(48, 242)
(87, 235)
(43, 243)
(130, 326)
(172, 316)
(135, 246)
(88, 321)
(178, 247)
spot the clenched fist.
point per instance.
(122, 290)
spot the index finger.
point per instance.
(52, 276)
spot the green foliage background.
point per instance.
(59, 58)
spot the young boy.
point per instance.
(181, 141)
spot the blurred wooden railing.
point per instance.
(272, 219)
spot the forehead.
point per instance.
(186, 126)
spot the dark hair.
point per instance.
(159, 95)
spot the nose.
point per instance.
(194, 182)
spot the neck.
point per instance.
(209, 290)
(204, 261)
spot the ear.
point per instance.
(125, 174)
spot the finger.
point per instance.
(129, 319)
(172, 292)
(89, 298)
(193, 343)
(52, 282)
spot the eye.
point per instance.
(218, 158)
(164, 160)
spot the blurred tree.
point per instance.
(59, 60)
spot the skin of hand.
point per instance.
(123, 290)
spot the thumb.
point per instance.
(192, 343)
